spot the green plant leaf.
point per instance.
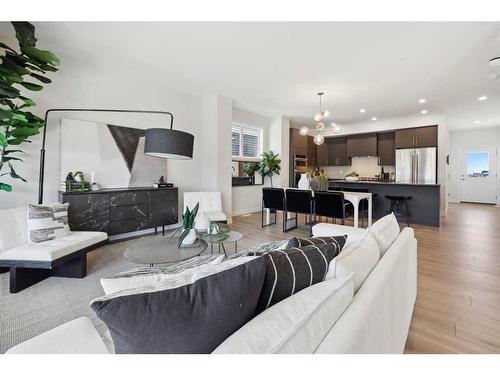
(32, 86)
(25, 33)
(5, 187)
(17, 141)
(27, 102)
(9, 158)
(7, 152)
(9, 93)
(3, 140)
(183, 235)
(41, 78)
(24, 132)
(5, 46)
(13, 173)
(46, 57)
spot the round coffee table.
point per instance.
(158, 250)
(233, 237)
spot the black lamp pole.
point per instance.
(42, 151)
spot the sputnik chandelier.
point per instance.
(319, 117)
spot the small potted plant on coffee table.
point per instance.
(188, 235)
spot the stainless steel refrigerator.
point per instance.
(416, 165)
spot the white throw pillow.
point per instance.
(47, 222)
(296, 325)
(385, 231)
(357, 258)
(145, 276)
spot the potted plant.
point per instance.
(188, 235)
(250, 169)
(20, 68)
(269, 166)
(353, 176)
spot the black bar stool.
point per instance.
(399, 205)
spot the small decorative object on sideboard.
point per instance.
(162, 184)
(75, 182)
(188, 235)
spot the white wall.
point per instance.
(483, 137)
(279, 142)
(409, 122)
(247, 199)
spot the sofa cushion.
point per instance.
(357, 258)
(47, 222)
(291, 270)
(385, 231)
(296, 325)
(193, 314)
(320, 240)
(144, 276)
(54, 249)
(77, 336)
(353, 234)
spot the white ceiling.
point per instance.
(275, 68)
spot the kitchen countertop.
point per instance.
(381, 183)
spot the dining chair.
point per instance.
(299, 202)
(331, 204)
(274, 200)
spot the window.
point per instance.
(245, 142)
(478, 164)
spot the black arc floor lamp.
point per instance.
(159, 142)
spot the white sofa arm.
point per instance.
(77, 336)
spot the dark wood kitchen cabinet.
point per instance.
(311, 151)
(322, 155)
(298, 143)
(362, 145)
(386, 148)
(426, 136)
(337, 151)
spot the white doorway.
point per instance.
(478, 175)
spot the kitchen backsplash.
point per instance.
(364, 166)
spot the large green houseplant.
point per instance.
(22, 68)
(270, 165)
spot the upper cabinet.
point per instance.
(311, 151)
(298, 142)
(426, 136)
(362, 145)
(322, 155)
(386, 148)
(337, 151)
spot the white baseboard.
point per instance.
(246, 211)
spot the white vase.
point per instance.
(201, 223)
(304, 182)
(190, 238)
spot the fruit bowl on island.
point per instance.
(353, 176)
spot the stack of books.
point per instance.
(74, 186)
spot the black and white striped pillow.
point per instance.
(291, 270)
(47, 222)
(298, 242)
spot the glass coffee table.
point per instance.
(232, 237)
(159, 250)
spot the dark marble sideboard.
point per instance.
(117, 211)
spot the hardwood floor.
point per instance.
(458, 298)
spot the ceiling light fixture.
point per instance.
(422, 101)
(320, 125)
(362, 110)
(374, 119)
(424, 111)
(477, 122)
(482, 98)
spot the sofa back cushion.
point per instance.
(358, 258)
(296, 325)
(291, 270)
(385, 230)
(190, 315)
(47, 222)
(13, 228)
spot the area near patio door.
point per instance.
(478, 180)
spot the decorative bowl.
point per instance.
(352, 178)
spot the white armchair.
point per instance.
(210, 204)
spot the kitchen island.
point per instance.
(423, 207)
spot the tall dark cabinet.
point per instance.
(386, 148)
(337, 151)
(118, 211)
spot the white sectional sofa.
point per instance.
(30, 263)
(367, 311)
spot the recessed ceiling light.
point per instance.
(362, 110)
(424, 111)
(482, 98)
(374, 119)
(477, 122)
(422, 101)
